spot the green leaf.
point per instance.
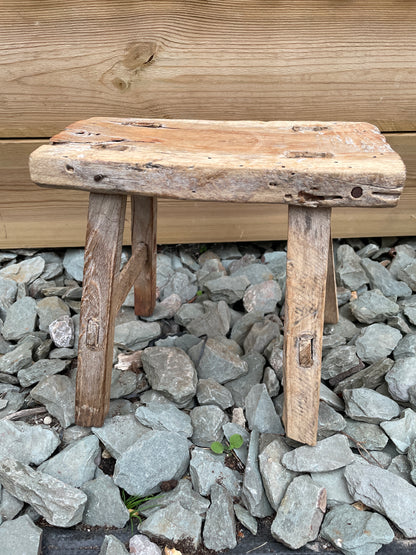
(236, 441)
(217, 447)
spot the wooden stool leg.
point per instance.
(331, 301)
(143, 230)
(101, 270)
(307, 259)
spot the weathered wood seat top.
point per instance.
(304, 163)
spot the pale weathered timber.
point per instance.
(331, 302)
(291, 162)
(143, 230)
(128, 275)
(98, 311)
(307, 258)
(25, 210)
(230, 60)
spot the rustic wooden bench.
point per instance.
(311, 166)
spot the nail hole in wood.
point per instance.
(69, 168)
(357, 192)
(98, 177)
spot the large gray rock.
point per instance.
(135, 335)
(124, 382)
(8, 291)
(376, 342)
(356, 532)
(402, 431)
(24, 272)
(220, 529)
(253, 493)
(227, 288)
(179, 284)
(406, 347)
(104, 504)
(401, 377)
(241, 387)
(25, 443)
(370, 377)
(40, 369)
(243, 325)
(190, 312)
(113, 546)
(384, 492)
(367, 405)
(260, 412)
(328, 454)
(348, 269)
(206, 469)
(170, 371)
(76, 464)
(20, 536)
(49, 309)
(119, 433)
(57, 393)
(401, 466)
(20, 319)
(182, 494)
(276, 477)
(255, 273)
(213, 320)
(173, 523)
(373, 306)
(207, 422)
(60, 504)
(338, 360)
(165, 417)
(74, 263)
(335, 486)
(20, 356)
(381, 278)
(262, 297)
(370, 436)
(300, 513)
(166, 308)
(9, 505)
(411, 458)
(210, 392)
(12, 399)
(216, 360)
(329, 421)
(261, 334)
(156, 457)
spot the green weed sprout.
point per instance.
(133, 503)
(235, 442)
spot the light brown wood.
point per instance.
(331, 302)
(239, 59)
(26, 209)
(102, 266)
(286, 162)
(307, 258)
(143, 231)
(127, 277)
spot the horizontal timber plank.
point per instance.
(31, 216)
(240, 59)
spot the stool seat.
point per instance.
(305, 163)
(311, 166)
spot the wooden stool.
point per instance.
(309, 166)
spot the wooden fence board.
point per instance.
(240, 59)
(34, 217)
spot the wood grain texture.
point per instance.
(31, 216)
(143, 231)
(307, 258)
(285, 162)
(106, 217)
(240, 59)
